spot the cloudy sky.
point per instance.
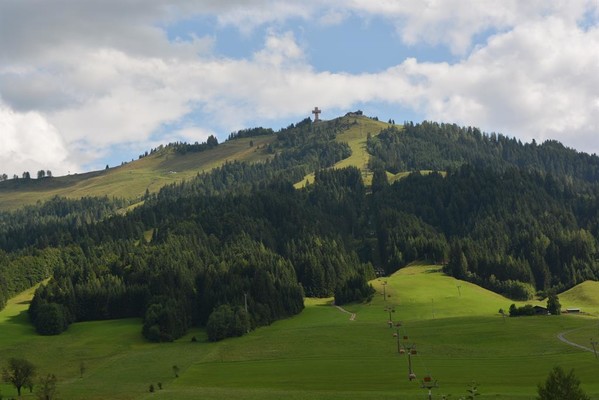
(89, 83)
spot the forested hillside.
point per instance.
(238, 247)
(439, 147)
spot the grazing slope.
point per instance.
(131, 180)
(319, 354)
(584, 296)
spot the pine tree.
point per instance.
(553, 305)
(560, 386)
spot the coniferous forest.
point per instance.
(239, 247)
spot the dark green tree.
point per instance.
(164, 321)
(212, 141)
(553, 305)
(458, 264)
(50, 319)
(354, 289)
(379, 180)
(226, 321)
(19, 373)
(561, 386)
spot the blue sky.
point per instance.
(85, 84)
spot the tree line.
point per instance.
(26, 175)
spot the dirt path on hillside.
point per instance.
(561, 337)
(352, 316)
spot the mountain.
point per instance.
(312, 209)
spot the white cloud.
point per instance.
(536, 81)
(193, 134)
(30, 143)
(454, 23)
(87, 77)
(279, 50)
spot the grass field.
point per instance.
(584, 296)
(321, 354)
(131, 180)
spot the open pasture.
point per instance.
(131, 180)
(321, 354)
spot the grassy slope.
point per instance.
(584, 296)
(131, 180)
(355, 137)
(319, 354)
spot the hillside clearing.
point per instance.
(356, 136)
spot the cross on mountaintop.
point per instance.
(316, 111)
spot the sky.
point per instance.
(85, 84)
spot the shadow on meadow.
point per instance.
(22, 318)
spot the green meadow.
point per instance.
(131, 180)
(321, 354)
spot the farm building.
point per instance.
(540, 310)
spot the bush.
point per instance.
(164, 321)
(528, 309)
(517, 290)
(227, 322)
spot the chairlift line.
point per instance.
(427, 381)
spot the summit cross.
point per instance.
(316, 112)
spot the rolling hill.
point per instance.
(321, 353)
(584, 296)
